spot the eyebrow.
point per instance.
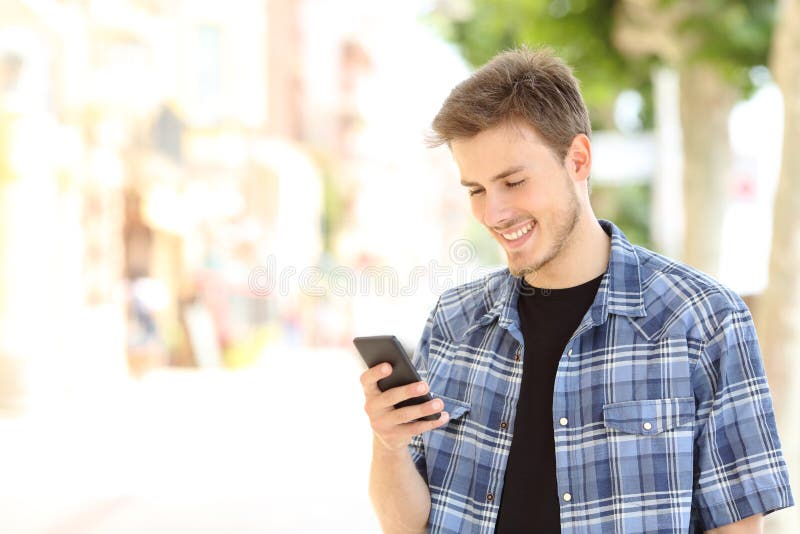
(500, 176)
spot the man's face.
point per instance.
(520, 192)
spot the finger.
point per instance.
(423, 426)
(404, 432)
(410, 413)
(396, 395)
(370, 377)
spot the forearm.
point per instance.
(399, 494)
(751, 525)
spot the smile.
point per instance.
(513, 236)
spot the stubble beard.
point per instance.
(562, 233)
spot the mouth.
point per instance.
(519, 235)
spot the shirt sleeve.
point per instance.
(420, 360)
(740, 470)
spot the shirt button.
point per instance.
(567, 497)
(563, 421)
(647, 426)
(503, 425)
(490, 497)
(569, 352)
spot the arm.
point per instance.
(398, 492)
(740, 469)
(751, 525)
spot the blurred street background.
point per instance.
(203, 202)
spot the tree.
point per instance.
(712, 45)
(778, 309)
(579, 30)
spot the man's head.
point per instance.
(533, 87)
(519, 132)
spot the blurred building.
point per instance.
(148, 164)
(375, 78)
(61, 309)
(157, 154)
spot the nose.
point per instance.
(497, 213)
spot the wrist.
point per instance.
(381, 448)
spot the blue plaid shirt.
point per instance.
(662, 414)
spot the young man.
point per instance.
(593, 386)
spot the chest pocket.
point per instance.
(650, 459)
(648, 417)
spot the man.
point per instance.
(593, 386)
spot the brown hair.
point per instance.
(533, 86)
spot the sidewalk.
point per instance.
(281, 448)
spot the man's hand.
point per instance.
(392, 425)
(750, 525)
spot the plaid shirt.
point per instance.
(661, 411)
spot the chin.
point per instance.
(528, 263)
(522, 268)
(521, 272)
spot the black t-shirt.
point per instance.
(548, 318)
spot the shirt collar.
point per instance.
(620, 290)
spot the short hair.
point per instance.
(532, 86)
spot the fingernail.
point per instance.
(420, 387)
(445, 416)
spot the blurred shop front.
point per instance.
(135, 199)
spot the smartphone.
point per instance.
(379, 349)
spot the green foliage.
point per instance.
(627, 206)
(734, 35)
(577, 30)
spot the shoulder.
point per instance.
(679, 297)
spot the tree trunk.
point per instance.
(778, 309)
(706, 102)
(651, 27)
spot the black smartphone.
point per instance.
(379, 349)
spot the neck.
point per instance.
(584, 257)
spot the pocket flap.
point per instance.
(648, 417)
(455, 408)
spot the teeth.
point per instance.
(519, 233)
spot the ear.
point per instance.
(578, 160)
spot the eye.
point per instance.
(515, 184)
(473, 192)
